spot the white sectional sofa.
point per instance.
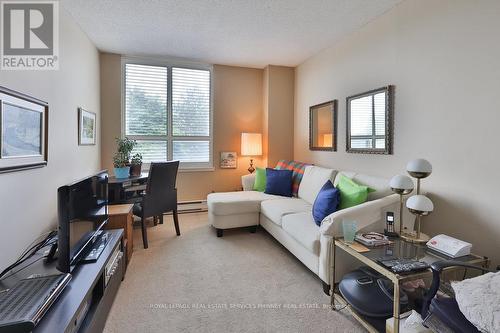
(290, 220)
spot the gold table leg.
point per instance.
(332, 279)
(396, 308)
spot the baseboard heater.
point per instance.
(195, 206)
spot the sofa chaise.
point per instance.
(290, 220)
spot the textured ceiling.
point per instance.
(250, 33)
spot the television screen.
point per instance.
(83, 210)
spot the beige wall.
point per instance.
(111, 85)
(443, 59)
(28, 201)
(278, 113)
(265, 116)
(237, 108)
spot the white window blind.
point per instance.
(190, 102)
(168, 112)
(146, 100)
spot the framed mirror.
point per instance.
(323, 126)
(370, 121)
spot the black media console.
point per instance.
(85, 303)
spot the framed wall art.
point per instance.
(86, 127)
(23, 132)
(228, 160)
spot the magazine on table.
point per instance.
(372, 239)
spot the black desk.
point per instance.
(119, 188)
(87, 281)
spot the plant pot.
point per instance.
(135, 170)
(122, 172)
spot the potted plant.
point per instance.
(120, 163)
(136, 165)
(121, 160)
(125, 146)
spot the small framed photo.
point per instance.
(23, 131)
(86, 127)
(228, 160)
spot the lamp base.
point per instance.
(251, 169)
(412, 238)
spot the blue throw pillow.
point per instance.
(327, 202)
(279, 182)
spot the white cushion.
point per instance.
(479, 301)
(228, 203)
(302, 228)
(247, 182)
(379, 184)
(313, 180)
(276, 209)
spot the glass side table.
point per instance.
(399, 249)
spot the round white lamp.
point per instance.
(401, 185)
(419, 168)
(419, 205)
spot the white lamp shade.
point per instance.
(251, 144)
(419, 165)
(327, 140)
(400, 182)
(420, 203)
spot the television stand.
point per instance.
(97, 248)
(84, 304)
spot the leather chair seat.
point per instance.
(137, 209)
(447, 310)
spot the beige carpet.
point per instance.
(197, 282)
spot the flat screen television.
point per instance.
(82, 213)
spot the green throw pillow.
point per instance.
(351, 193)
(260, 180)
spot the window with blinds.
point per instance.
(168, 112)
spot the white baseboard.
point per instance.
(194, 206)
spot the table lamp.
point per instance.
(419, 168)
(401, 185)
(328, 140)
(418, 205)
(251, 145)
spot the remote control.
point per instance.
(403, 265)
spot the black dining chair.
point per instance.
(160, 196)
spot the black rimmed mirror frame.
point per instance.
(389, 122)
(334, 108)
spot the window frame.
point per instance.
(169, 137)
